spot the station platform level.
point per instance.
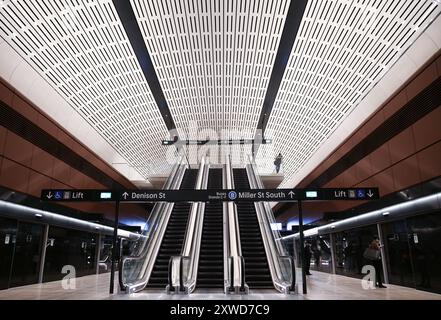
(321, 286)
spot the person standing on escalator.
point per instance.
(278, 162)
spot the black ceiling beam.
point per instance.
(130, 24)
(292, 24)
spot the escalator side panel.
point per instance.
(174, 235)
(257, 272)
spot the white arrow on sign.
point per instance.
(370, 194)
(125, 195)
(49, 195)
(291, 194)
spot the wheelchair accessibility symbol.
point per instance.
(232, 195)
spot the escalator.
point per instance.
(257, 272)
(211, 259)
(174, 235)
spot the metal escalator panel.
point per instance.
(211, 265)
(174, 235)
(257, 272)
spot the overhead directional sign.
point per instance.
(251, 195)
(79, 195)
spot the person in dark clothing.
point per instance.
(307, 258)
(317, 255)
(278, 162)
(376, 261)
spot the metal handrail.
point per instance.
(284, 280)
(186, 282)
(235, 277)
(147, 251)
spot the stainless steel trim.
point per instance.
(396, 212)
(383, 254)
(43, 253)
(149, 248)
(275, 251)
(182, 280)
(23, 213)
(235, 281)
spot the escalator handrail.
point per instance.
(159, 219)
(233, 243)
(192, 239)
(275, 251)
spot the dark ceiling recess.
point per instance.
(292, 23)
(424, 103)
(130, 24)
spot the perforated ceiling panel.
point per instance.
(81, 49)
(342, 49)
(213, 59)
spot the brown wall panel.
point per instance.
(395, 104)
(55, 184)
(18, 149)
(65, 139)
(350, 176)
(422, 81)
(14, 176)
(438, 65)
(62, 172)
(380, 159)
(429, 161)
(374, 122)
(406, 173)
(23, 107)
(37, 182)
(42, 162)
(402, 145)
(384, 180)
(427, 130)
(3, 132)
(6, 95)
(77, 180)
(363, 169)
(44, 123)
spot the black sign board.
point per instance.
(251, 195)
(86, 195)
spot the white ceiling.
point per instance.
(80, 48)
(342, 50)
(214, 60)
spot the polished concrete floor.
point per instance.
(321, 286)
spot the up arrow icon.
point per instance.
(292, 194)
(370, 194)
(125, 195)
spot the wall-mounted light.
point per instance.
(385, 214)
(38, 215)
